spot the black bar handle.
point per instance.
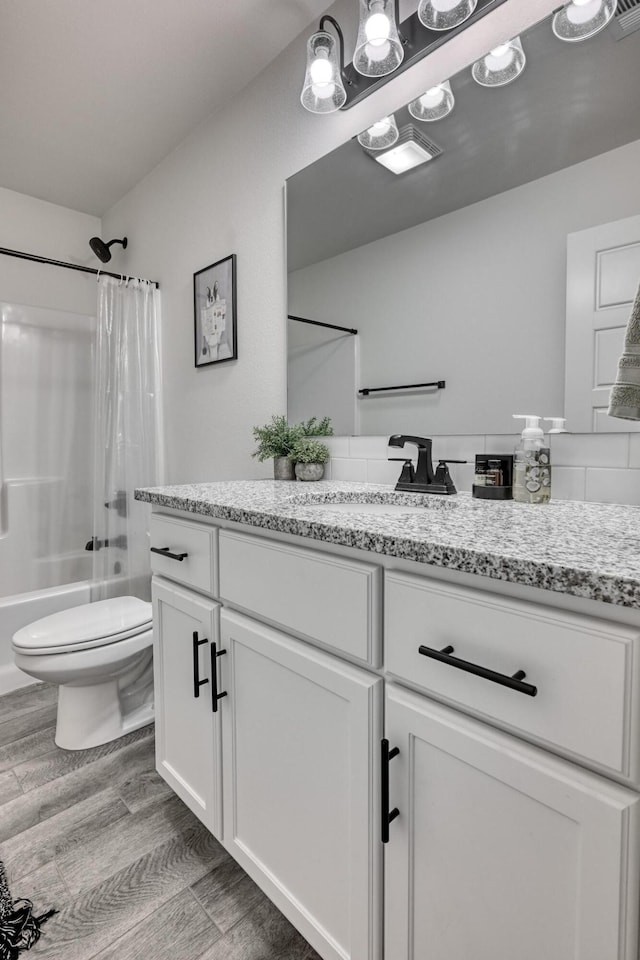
(215, 696)
(386, 817)
(166, 552)
(197, 682)
(439, 384)
(514, 682)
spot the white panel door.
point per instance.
(501, 851)
(188, 738)
(301, 741)
(603, 275)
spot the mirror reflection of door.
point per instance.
(603, 276)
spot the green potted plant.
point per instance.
(309, 456)
(277, 439)
(317, 428)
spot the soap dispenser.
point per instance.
(531, 463)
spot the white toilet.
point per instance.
(101, 656)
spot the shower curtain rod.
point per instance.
(69, 266)
(320, 323)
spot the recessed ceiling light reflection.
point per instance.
(381, 134)
(435, 104)
(501, 65)
(581, 19)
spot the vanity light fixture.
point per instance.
(445, 14)
(323, 90)
(380, 135)
(384, 48)
(436, 103)
(378, 47)
(410, 150)
(581, 19)
(501, 65)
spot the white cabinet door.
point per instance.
(500, 850)
(603, 273)
(188, 738)
(301, 742)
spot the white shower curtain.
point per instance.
(128, 434)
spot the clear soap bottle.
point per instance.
(531, 463)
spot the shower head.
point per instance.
(101, 249)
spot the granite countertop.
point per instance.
(588, 550)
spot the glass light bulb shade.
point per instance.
(501, 65)
(383, 133)
(581, 19)
(378, 49)
(323, 90)
(445, 14)
(435, 104)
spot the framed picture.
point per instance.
(214, 312)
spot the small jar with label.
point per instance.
(480, 477)
(493, 476)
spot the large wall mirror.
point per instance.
(459, 269)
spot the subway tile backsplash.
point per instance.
(598, 467)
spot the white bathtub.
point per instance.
(24, 608)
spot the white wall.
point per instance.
(45, 229)
(476, 298)
(321, 376)
(221, 192)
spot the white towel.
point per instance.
(624, 401)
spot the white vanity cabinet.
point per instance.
(301, 735)
(509, 824)
(188, 733)
(501, 850)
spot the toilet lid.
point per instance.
(89, 625)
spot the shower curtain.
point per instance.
(128, 434)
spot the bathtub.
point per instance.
(19, 610)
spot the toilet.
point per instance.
(100, 654)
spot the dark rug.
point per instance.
(19, 929)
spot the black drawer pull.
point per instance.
(197, 682)
(514, 682)
(386, 816)
(166, 552)
(215, 696)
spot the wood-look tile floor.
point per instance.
(100, 836)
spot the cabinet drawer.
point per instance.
(322, 598)
(583, 668)
(196, 540)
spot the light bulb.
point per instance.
(380, 127)
(500, 50)
(581, 11)
(323, 90)
(432, 97)
(377, 29)
(321, 70)
(378, 48)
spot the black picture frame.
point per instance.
(214, 313)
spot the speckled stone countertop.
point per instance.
(588, 550)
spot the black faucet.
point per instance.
(423, 479)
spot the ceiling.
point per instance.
(573, 101)
(95, 94)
